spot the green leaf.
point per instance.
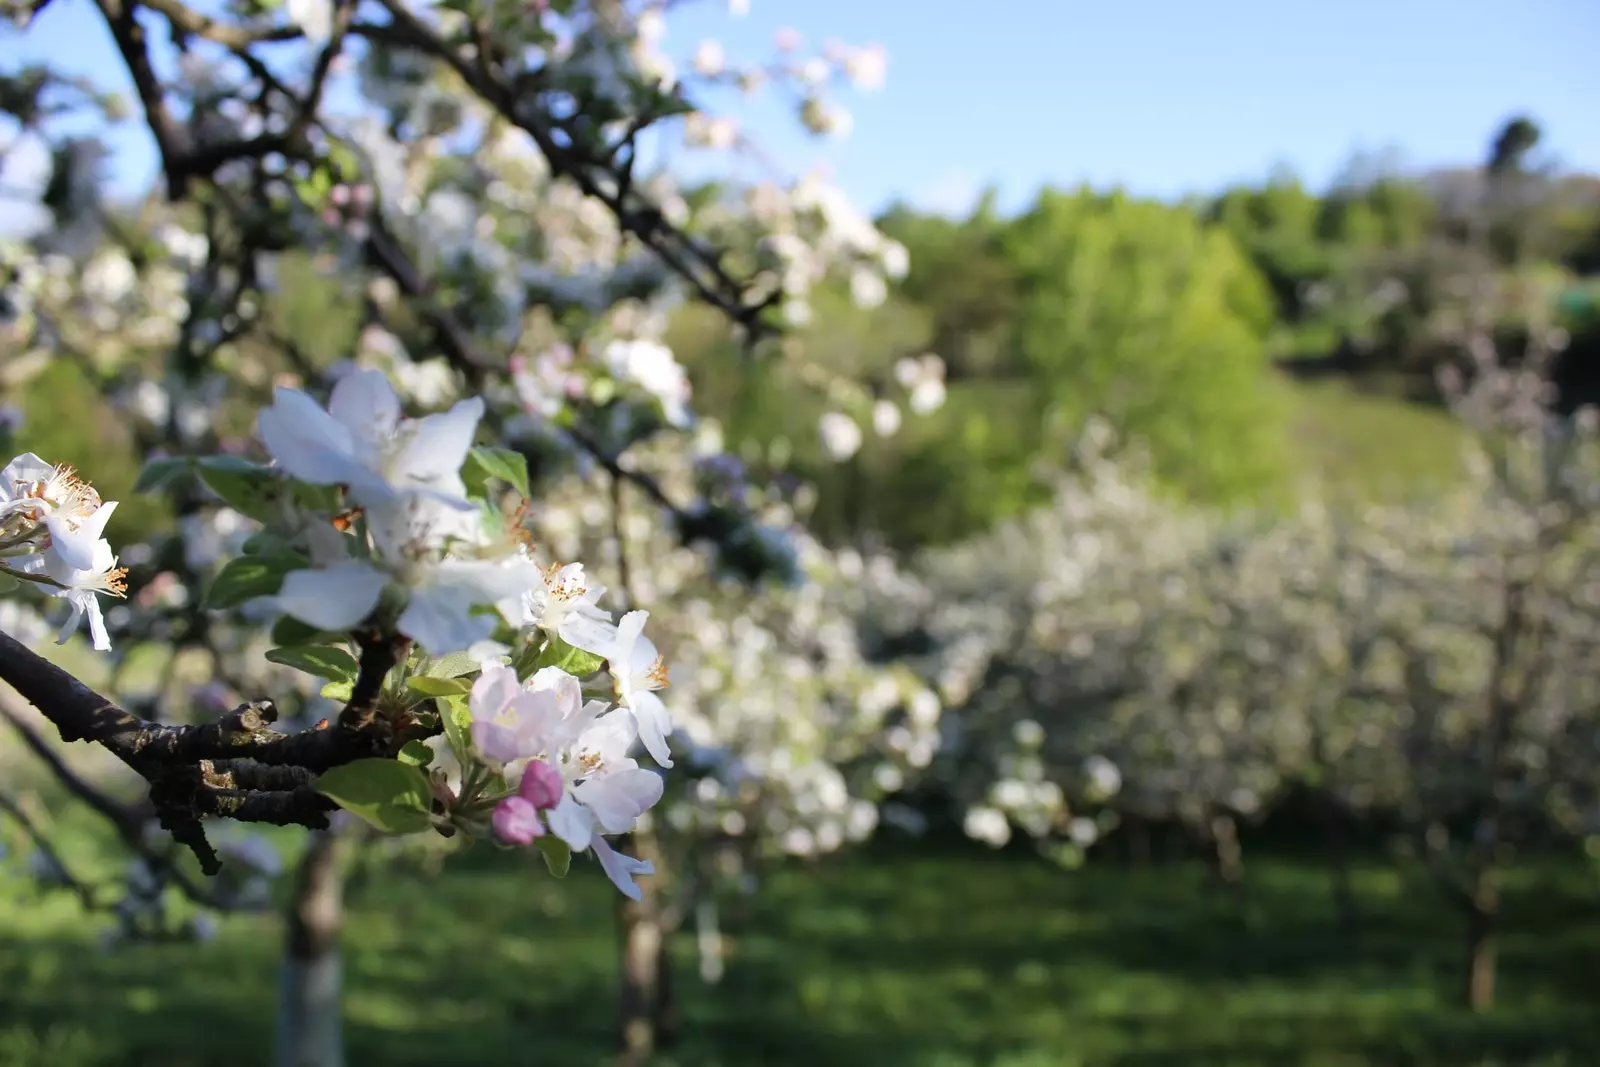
(8, 583)
(159, 473)
(266, 543)
(456, 718)
(289, 630)
(557, 856)
(324, 661)
(339, 690)
(429, 686)
(575, 661)
(501, 463)
(247, 487)
(392, 796)
(452, 666)
(416, 754)
(247, 577)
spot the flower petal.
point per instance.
(440, 619)
(332, 598)
(366, 406)
(572, 822)
(621, 869)
(307, 442)
(440, 443)
(654, 722)
(26, 468)
(617, 800)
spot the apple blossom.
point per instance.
(639, 671)
(363, 441)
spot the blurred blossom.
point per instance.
(867, 67)
(709, 59)
(1028, 733)
(788, 39)
(841, 437)
(885, 418)
(988, 825)
(867, 288)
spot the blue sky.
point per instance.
(1165, 97)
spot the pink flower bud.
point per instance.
(542, 785)
(516, 822)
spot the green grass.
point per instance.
(1369, 447)
(888, 958)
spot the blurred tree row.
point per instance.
(1173, 321)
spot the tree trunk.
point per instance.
(308, 1028)
(639, 924)
(1344, 897)
(1226, 851)
(669, 1021)
(1483, 914)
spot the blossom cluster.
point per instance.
(52, 526)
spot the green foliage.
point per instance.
(247, 577)
(323, 661)
(68, 421)
(557, 856)
(555, 652)
(886, 958)
(1136, 311)
(425, 685)
(387, 794)
(501, 464)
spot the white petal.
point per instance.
(71, 624)
(97, 623)
(610, 736)
(332, 598)
(366, 405)
(617, 800)
(572, 822)
(629, 628)
(440, 619)
(74, 547)
(621, 869)
(26, 468)
(441, 442)
(582, 630)
(493, 690)
(567, 690)
(654, 722)
(306, 441)
(486, 581)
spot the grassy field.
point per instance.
(1362, 446)
(935, 959)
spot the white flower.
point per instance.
(639, 670)
(32, 490)
(603, 790)
(708, 59)
(563, 604)
(651, 366)
(885, 418)
(988, 825)
(82, 588)
(841, 437)
(867, 288)
(313, 17)
(413, 534)
(363, 442)
(867, 67)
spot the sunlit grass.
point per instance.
(948, 957)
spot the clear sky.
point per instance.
(1163, 96)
